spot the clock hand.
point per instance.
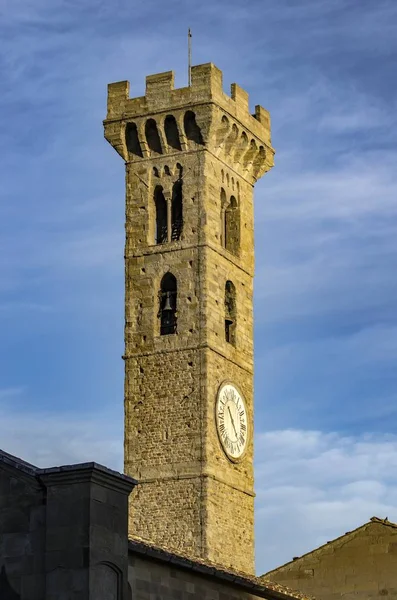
(231, 418)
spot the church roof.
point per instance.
(343, 537)
(17, 463)
(250, 583)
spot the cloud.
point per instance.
(315, 374)
(313, 486)
(10, 392)
(48, 439)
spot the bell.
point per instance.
(167, 305)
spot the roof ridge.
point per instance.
(384, 521)
(17, 462)
(371, 520)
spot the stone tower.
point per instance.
(192, 157)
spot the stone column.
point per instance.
(86, 553)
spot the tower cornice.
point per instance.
(225, 122)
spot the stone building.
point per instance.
(192, 156)
(362, 564)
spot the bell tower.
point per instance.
(192, 157)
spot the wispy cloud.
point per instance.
(11, 392)
(312, 487)
(52, 438)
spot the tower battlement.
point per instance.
(223, 121)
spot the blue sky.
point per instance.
(326, 245)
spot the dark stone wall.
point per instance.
(22, 535)
(86, 533)
(63, 532)
(171, 579)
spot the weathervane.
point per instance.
(189, 46)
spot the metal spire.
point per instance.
(189, 45)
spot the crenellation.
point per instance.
(240, 96)
(219, 118)
(159, 86)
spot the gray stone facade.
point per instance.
(63, 531)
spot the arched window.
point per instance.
(232, 227)
(192, 130)
(152, 136)
(176, 211)
(132, 141)
(161, 234)
(230, 313)
(168, 299)
(171, 132)
(223, 209)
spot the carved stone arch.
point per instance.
(223, 202)
(132, 141)
(161, 215)
(153, 137)
(172, 133)
(259, 164)
(222, 131)
(249, 155)
(182, 136)
(176, 211)
(7, 592)
(106, 582)
(241, 147)
(232, 227)
(192, 130)
(230, 313)
(231, 139)
(223, 198)
(142, 138)
(168, 299)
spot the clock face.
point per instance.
(231, 421)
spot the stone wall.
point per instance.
(361, 565)
(22, 532)
(63, 532)
(153, 573)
